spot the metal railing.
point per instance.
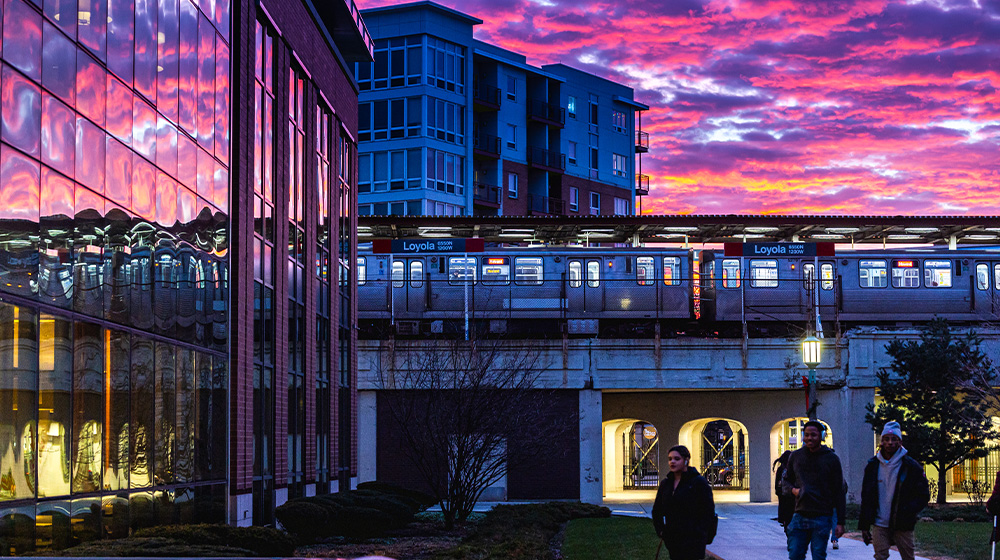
(641, 184)
(546, 158)
(486, 143)
(546, 205)
(486, 192)
(546, 111)
(486, 93)
(641, 141)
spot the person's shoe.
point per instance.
(836, 545)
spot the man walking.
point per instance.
(816, 480)
(893, 493)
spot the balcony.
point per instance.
(485, 194)
(548, 113)
(641, 142)
(546, 205)
(486, 145)
(546, 160)
(641, 185)
(485, 97)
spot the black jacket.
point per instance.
(820, 481)
(682, 517)
(786, 502)
(908, 499)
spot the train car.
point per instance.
(579, 285)
(854, 287)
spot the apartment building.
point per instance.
(449, 125)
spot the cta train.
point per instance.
(628, 291)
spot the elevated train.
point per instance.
(629, 291)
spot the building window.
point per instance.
(618, 165)
(594, 162)
(511, 88)
(512, 136)
(595, 203)
(622, 207)
(445, 172)
(397, 62)
(445, 65)
(571, 148)
(394, 118)
(619, 122)
(571, 106)
(512, 185)
(593, 114)
(574, 199)
(445, 121)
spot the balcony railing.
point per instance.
(546, 205)
(487, 144)
(641, 185)
(549, 112)
(549, 160)
(486, 95)
(641, 141)
(485, 192)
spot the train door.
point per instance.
(987, 289)
(825, 284)
(408, 277)
(583, 285)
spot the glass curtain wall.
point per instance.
(114, 195)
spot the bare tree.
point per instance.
(466, 412)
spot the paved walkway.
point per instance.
(749, 532)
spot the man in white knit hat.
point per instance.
(893, 494)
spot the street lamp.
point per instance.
(811, 357)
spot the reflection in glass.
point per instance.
(64, 12)
(88, 253)
(120, 39)
(55, 270)
(88, 408)
(119, 173)
(166, 200)
(58, 135)
(167, 46)
(115, 515)
(91, 87)
(166, 414)
(142, 414)
(222, 101)
(188, 67)
(143, 188)
(89, 155)
(206, 84)
(118, 262)
(145, 48)
(93, 22)
(17, 529)
(18, 431)
(22, 111)
(55, 411)
(19, 186)
(59, 63)
(186, 415)
(166, 146)
(22, 26)
(53, 525)
(187, 161)
(119, 122)
(86, 519)
(144, 129)
(116, 435)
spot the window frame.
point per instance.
(757, 281)
(416, 280)
(904, 277)
(487, 262)
(675, 271)
(648, 276)
(512, 185)
(593, 270)
(575, 266)
(727, 266)
(519, 278)
(930, 266)
(362, 266)
(462, 278)
(872, 265)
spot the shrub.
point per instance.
(260, 541)
(424, 499)
(152, 546)
(305, 519)
(360, 522)
(950, 512)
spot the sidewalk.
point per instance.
(748, 532)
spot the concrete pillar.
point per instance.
(367, 436)
(852, 436)
(761, 479)
(591, 467)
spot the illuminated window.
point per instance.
(763, 273)
(905, 274)
(575, 274)
(645, 270)
(937, 274)
(461, 270)
(528, 271)
(672, 271)
(730, 273)
(593, 274)
(872, 274)
(496, 271)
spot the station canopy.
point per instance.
(690, 228)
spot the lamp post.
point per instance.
(811, 357)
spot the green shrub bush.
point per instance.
(261, 541)
(424, 499)
(950, 512)
(307, 519)
(152, 546)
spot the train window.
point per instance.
(461, 270)
(496, 271)
(362, 271)
(645, 269)
(872, 274)
(730, 273)
(809, 274)
(672, 271)
(982, 276)
(937, 274)
(575, 274)
(397, 274)
(763, 273)
(528, 271)
(826, 272)
(593, 274)
(905, 274)
(416, 274)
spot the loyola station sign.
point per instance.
(779, 250)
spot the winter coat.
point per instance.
(820, 481)
(682, 517)
(993, 504)
(908, 500)
(786, 502)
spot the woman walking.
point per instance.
(684, 510)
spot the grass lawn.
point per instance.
(611, 538)
(964, 541)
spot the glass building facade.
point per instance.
(114, 267)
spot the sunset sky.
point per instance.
(788, 106)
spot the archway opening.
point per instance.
(631, 455)
(720, 450)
